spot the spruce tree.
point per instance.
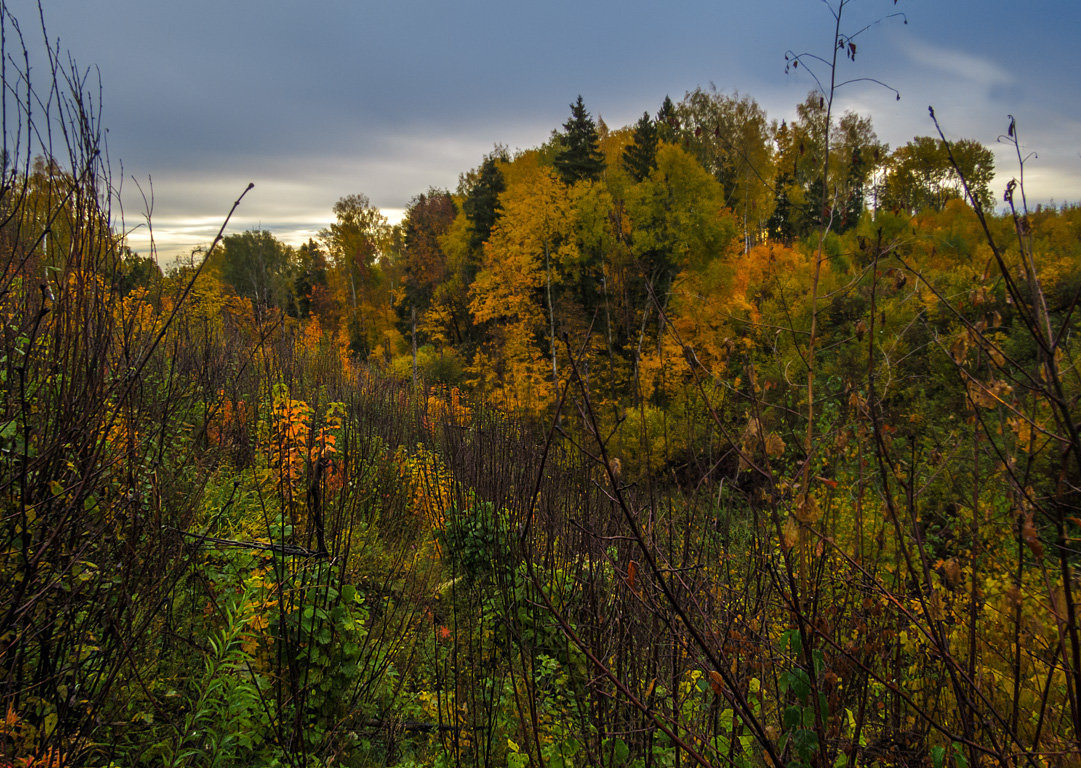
(667, 121)
(481, 204)
(580, 157)
(640, 156)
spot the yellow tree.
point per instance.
(678, 223)
(531, 250)
(355, 243)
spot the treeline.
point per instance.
(602, 236)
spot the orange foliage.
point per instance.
(231, 418)
(18, 734)
(445, 406)
(295, 444)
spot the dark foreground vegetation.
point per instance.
(614, 458)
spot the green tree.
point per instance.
(803, 199)
(788, 193)
(137, 272)
(678, 217)
(856, 154)
(920, 174)
(640, 156)
(731, 138)
(800, 150)
(481, 192)
(257, 266)
(667, 120)
(310, 286)
(355, 240)
(580, 157)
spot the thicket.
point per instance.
(704, 496)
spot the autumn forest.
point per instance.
(710, 440)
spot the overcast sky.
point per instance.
(316, 100)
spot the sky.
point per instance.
(312, 101)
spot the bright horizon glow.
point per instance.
(186, 236)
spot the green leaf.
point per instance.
(793, 717)
(620, 751)
(801, 684)
(50, 724)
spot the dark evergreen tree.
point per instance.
(813, 214)
(780, 224)
(311, 276)
(853, 202)
(481, 204)
(640, 157)
(667, 121)
(580, 157)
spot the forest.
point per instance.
(709, 440)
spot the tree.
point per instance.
(916, 176)
(481, 203)
(355, 243)
(356, 238)
(678, 217)
(427, 219)
(788, 193)
(921, 176)
(640, 156)
(857, 152)
(580, 157)
(426, 269)
(730, 137)
(798, 186)
(137, 272)
(667, 120)
(804, 200)
(257, 266)
(531, 252)
(310, 286)
(679, 223)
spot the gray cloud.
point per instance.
(313, 101)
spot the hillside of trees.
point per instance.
(706, 440)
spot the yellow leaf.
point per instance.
(790, 535)
(808, 511)
(774, 445)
